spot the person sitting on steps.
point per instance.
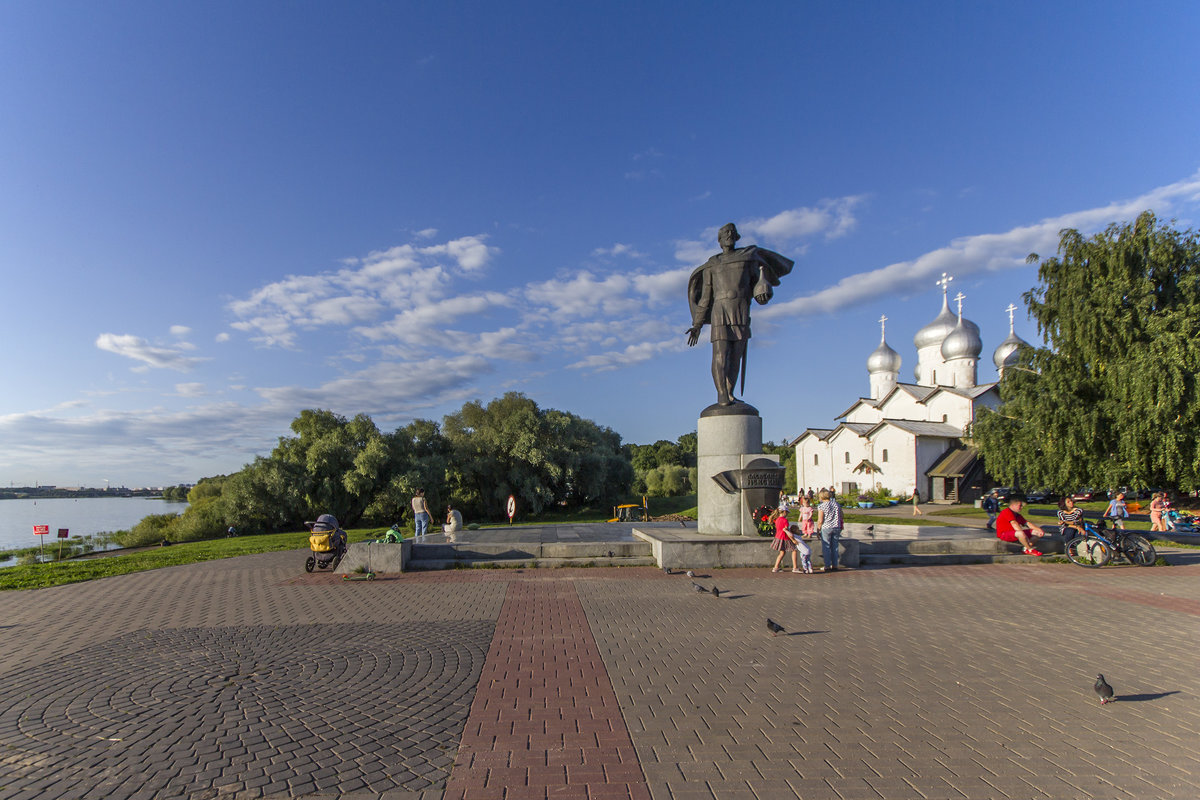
(1012, 527)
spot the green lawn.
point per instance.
(38, 576)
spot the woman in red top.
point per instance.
(783, 541)
(1012, 527)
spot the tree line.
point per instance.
(475, 459)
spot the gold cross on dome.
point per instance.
(944, 282)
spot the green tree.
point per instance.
(1111, 400)
(544, 458)
(687, 449)
(787, 460)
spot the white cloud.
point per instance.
(422, 324)
(470, 252)
(617, 250)
(222, 337)
(581, 296)
(832, 218)
(664, 287)
(180, 330)
(398, 277)
(189, 389)
(633, 354)
(151, 356)
(986, 252)
(426, 233)
(387, 390)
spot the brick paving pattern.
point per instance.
(257, 710)
(907, 683)
(545, 721)
(223, 679)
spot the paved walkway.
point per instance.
(247, 678)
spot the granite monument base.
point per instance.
(732, 471)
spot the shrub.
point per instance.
(151, 530)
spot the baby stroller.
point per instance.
(327, 542)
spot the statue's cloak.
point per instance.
(773, 267)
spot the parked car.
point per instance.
(1042, 496)
(1005, 492)
(1084, 495)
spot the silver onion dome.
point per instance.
(939, 329)
(963, 341)
(1007, 353)
(884, 359)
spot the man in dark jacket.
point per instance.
(991, 504)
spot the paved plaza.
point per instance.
(248, 678)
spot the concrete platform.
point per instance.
(686, 548)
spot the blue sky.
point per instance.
(214, 215)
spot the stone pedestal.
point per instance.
(728, 445)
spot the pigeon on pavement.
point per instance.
(667, 571)
(774, 627)
(871, 530)
(691, 574)
(1103, 689)
(699, 588)
(715, 591)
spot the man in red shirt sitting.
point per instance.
(1012, 527)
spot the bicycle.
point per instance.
(1099, 545)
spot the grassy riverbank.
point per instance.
(40, 576)
(56, 573)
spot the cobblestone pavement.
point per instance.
(246, 678)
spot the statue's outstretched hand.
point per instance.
(693, 335)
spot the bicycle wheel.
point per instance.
(1088, 552)
(1139, 550)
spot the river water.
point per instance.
(82, 517)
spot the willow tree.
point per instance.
(1111, 399)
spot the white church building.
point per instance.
(907, 436)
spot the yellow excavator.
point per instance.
(631, 512)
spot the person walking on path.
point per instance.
(829, 522)
(1070, 519)
(1012, 527)
(806, 518)
(1158, 507)
(1117, 511)
(991, 504)
(784, 542)
(916, 499)
(421, 515)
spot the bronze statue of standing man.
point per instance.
(719, 293)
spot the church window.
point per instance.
(945, 417)
(885, 456)
(847, 456)
(815, 458)
(934, 381)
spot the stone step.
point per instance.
(530, 563)
(958, 546)
(944, 559)
(500, 551)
